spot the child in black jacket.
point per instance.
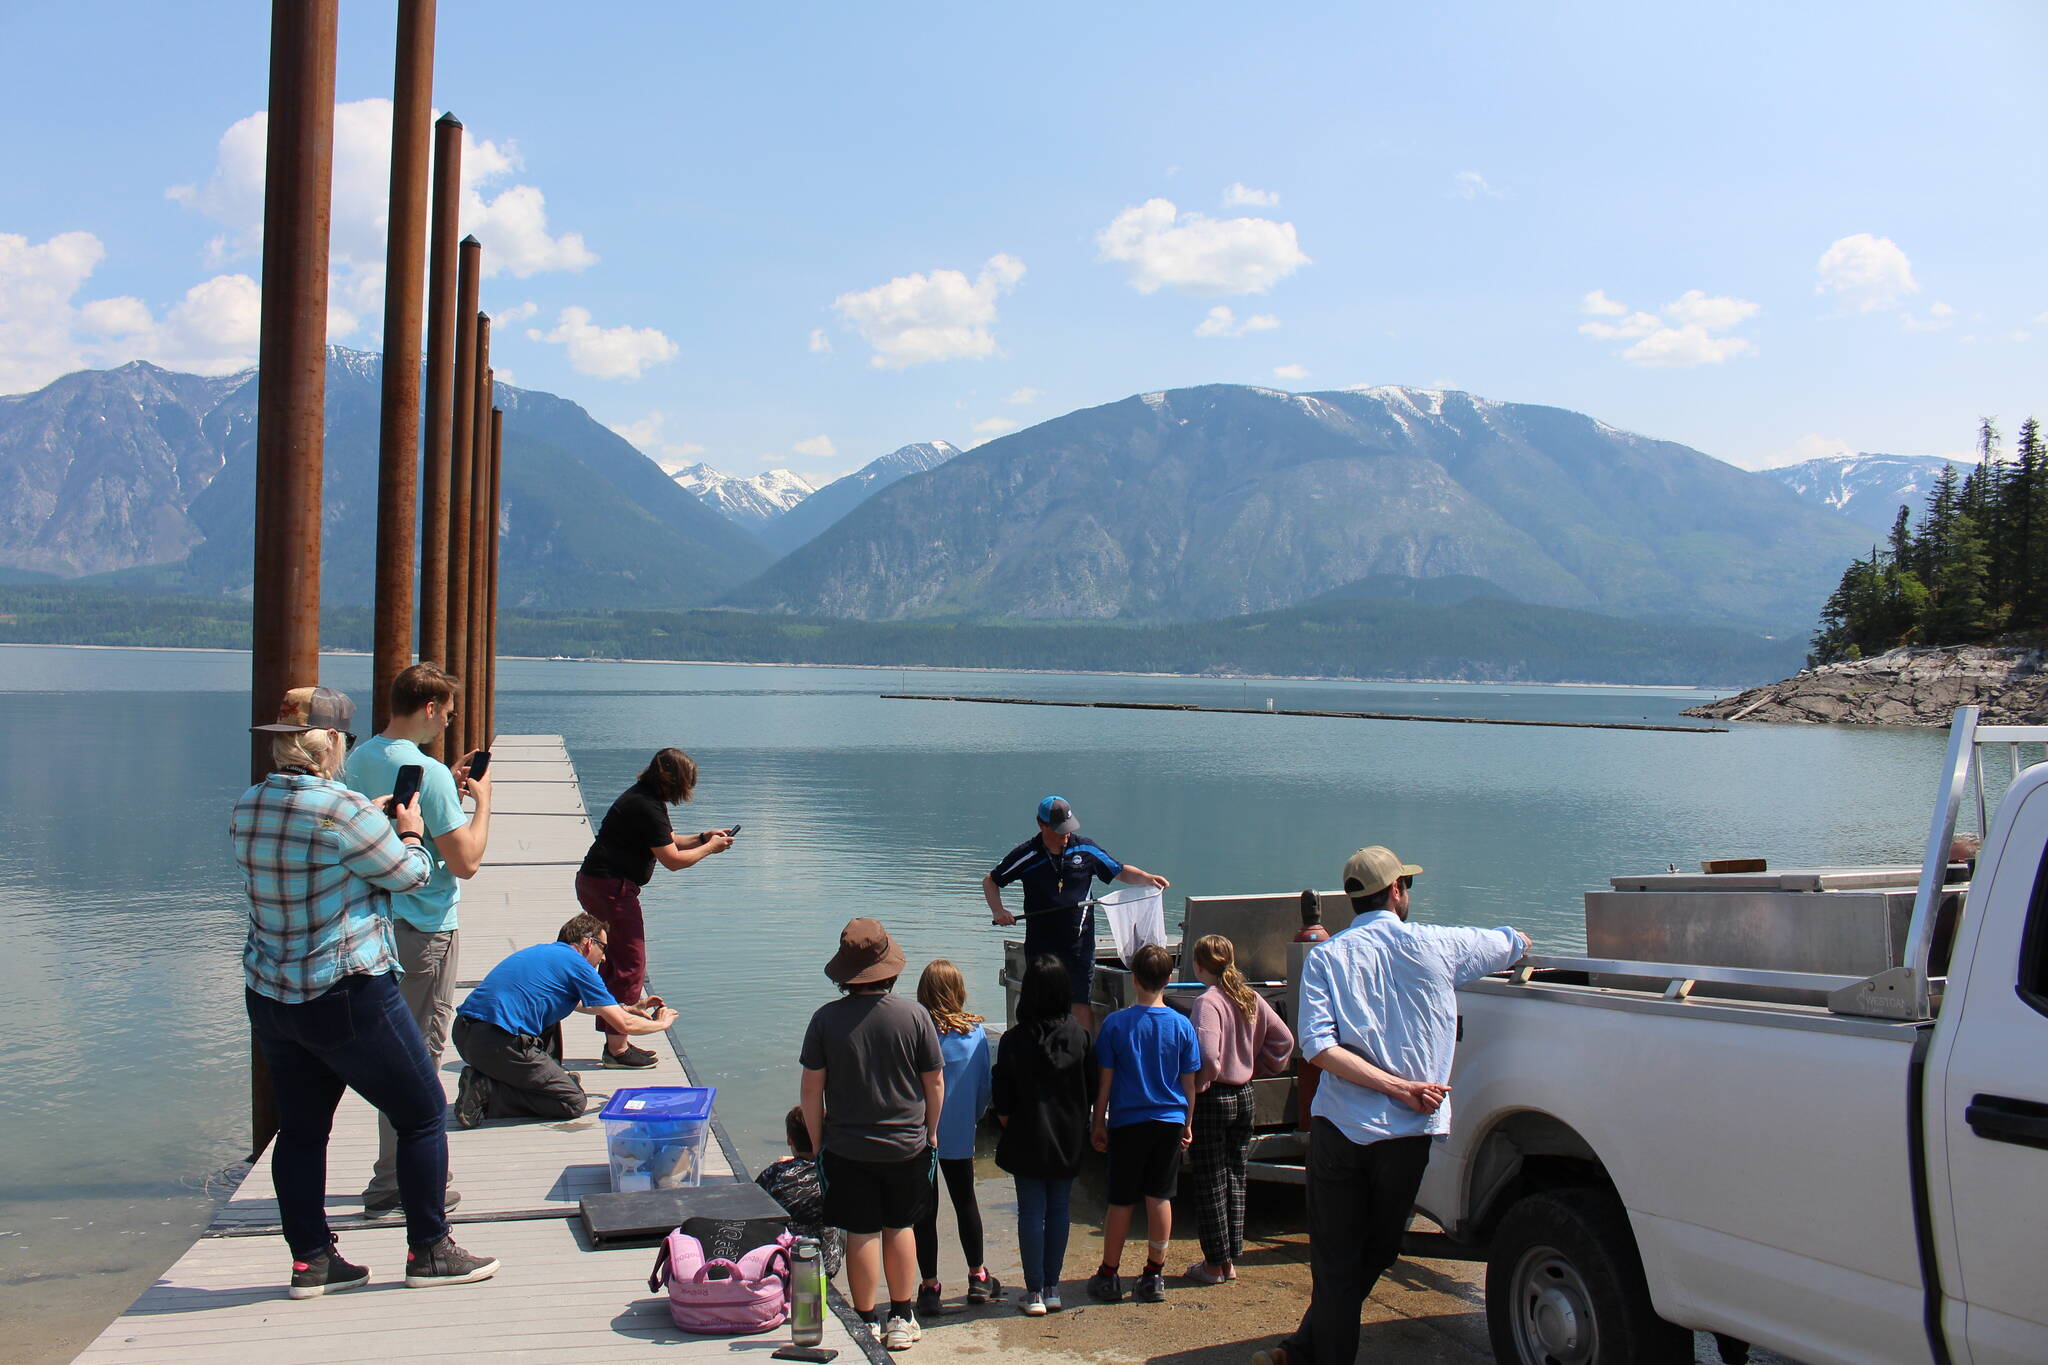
(1043, 1086)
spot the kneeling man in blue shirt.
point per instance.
(1379, 1015)
(501, 1029)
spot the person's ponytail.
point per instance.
(1216, 955)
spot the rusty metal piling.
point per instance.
(442, 320)
(461, 464)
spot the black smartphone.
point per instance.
(481, 764)
(406, 787)
(733, 833)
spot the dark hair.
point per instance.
(414, 687)
(673, 775)
(580, 928)
(1362, 905)
(1047, 992)
(1152, 967)
(867, 987)
(797, 1131)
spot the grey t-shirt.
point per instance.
(873, 1049)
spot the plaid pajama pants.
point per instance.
(1216, 1168)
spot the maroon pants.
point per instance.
(616, 901)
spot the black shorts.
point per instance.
(868, 1196)
(1144, 1162)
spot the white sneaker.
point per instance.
(1052, 1297)
(1034, 1304)
(901, 1333)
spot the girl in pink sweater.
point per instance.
(1240, 1036)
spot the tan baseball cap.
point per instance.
(1374, 869)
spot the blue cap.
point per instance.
(1055, 814)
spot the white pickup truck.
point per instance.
(1841, 1168)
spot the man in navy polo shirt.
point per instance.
(1056, 866)
(501, 1029)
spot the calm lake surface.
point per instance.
(126, 1090)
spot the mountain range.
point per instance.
(1868, 489)
(1224, 500)
(1200, 503)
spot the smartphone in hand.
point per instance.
(481, 764)
(733, 833)
(406, 787)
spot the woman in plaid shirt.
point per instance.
(320, 961)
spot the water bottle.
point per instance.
(807, 1293)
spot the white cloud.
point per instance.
(1683, 335)
(1472, 185)
(1221, 322)
(915, 319)
(988, 428)
(606, 352)
(817, 447)
(505, 317)
(46, 332)
(1289, 372)
(1025, 395)
(1166, 248)
(1244, 196)
(1866, 273)
(1814, 446)
(820, 343)
(1939, 318)
(649, 436)
(512, 223)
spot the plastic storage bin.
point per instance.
(656, 1136)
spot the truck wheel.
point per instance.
(1564, 1286)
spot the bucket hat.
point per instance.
(866, 954)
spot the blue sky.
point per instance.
(802, 235)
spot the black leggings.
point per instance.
(959, 1173)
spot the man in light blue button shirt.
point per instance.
(1379, 1015)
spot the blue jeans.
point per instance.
(1042, 1223)
(358, 1036)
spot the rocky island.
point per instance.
(1904, 686)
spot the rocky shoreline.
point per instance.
(1901, 687)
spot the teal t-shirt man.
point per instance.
(372, 769)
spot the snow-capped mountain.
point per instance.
(842, 495)
(1867, 488)
(754, 502)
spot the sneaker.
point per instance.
(472, 1098)
(389, 1205)
(1052, 1298)
(445, 1263)
(1271, 1355)
(632, 1059)
(1104, 1287)
(1201, 1272)
(930, 1301)
(1230, 1270)
(325, 1273)
(985, 1288)
(901, 1333)
(1034, 1303)
(1151, 1288)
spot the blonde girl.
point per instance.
(1240, 1036)
(964, 1044)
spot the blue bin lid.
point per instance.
(660, 1104)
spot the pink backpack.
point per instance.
(720, 1297)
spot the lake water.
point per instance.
(126, 1088)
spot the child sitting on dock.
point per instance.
(1149, 1059)
(793, 1183)
(964, 1044)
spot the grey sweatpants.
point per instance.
(428, 989)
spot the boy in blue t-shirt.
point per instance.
(1143, 1105)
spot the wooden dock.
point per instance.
(556, 1298)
